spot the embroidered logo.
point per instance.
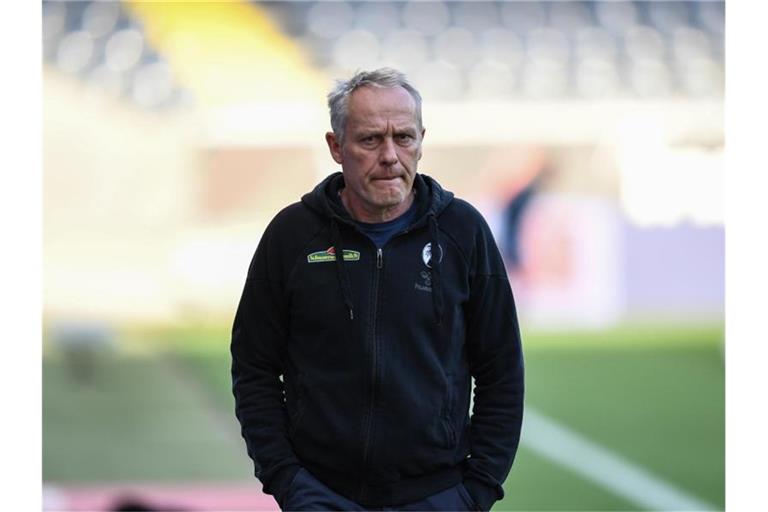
(330, 255)
(426, 282)
(426, 254)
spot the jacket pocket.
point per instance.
(450, 398)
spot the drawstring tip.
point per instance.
(351, 314)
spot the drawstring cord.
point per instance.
(438, 303)
(341, 271)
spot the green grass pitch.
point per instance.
(654, 395)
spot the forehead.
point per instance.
(370, 104)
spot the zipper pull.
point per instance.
(379, 258)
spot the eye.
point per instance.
(404, 137)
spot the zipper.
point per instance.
(374, 371)
(368, 423)
(368, 426)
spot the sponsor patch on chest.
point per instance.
(330, 255)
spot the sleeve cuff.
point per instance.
(483, 495)
(280, 483)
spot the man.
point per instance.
(367, 309)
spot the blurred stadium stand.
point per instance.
(100, 43)
(455, 50)
(520, 49)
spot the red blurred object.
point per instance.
(192, 497)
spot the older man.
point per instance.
(368, 308)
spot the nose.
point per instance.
(388, 155)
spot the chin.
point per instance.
(388, 197)
(393, 199)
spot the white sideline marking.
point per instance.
(606, 468)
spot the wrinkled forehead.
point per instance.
(375, 104)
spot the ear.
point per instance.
(333, 146)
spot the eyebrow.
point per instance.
(373, 131)
(368, 133)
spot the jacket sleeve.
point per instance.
(496, 363)
(258, 339)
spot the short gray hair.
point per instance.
(338, 98)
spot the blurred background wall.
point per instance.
(589, 134)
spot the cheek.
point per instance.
(410, 156)
(357, 165)
(362, 159)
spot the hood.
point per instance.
(431, 200)
(324, 200)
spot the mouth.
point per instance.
(387, 179)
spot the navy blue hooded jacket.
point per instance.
(359, 367)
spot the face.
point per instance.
(380, 152)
